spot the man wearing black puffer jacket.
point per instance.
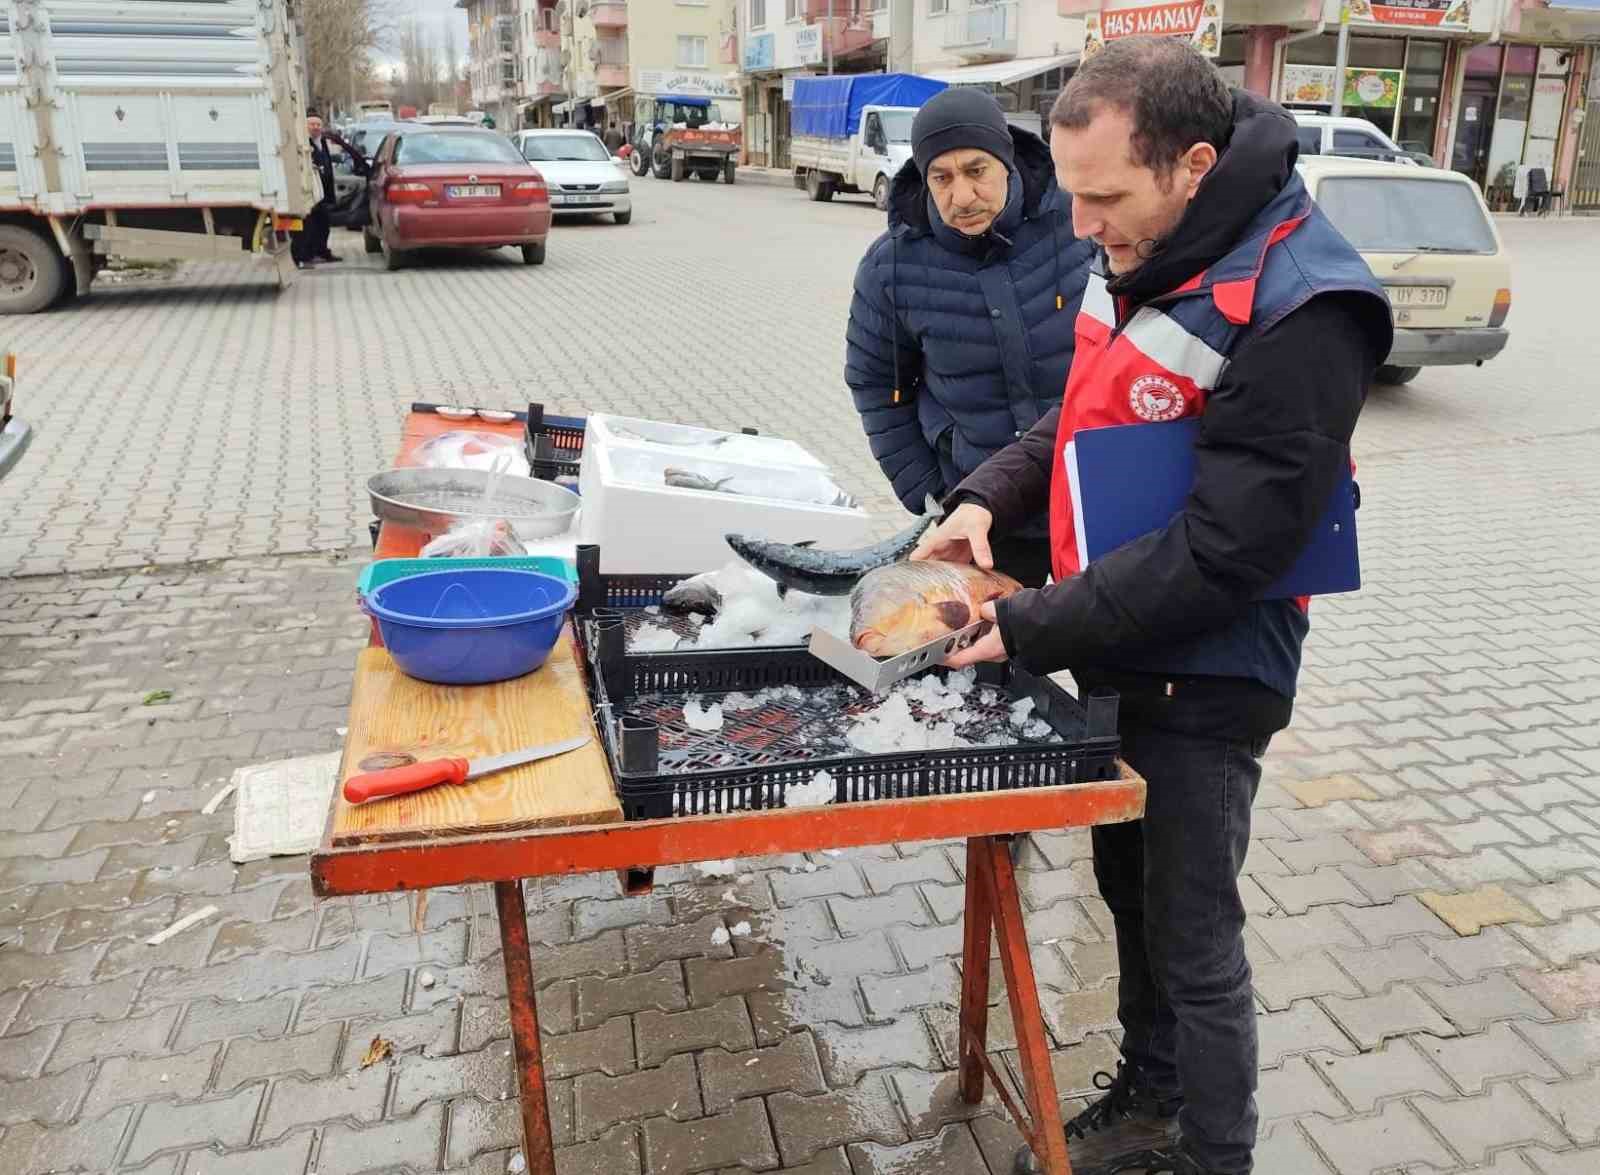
(1220, 292)
(960, 329)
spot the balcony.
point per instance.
(609, 14)
(985, 30)
(845, 34)
(609, 56)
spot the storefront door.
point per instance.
(1475, 128)
(1586, 177)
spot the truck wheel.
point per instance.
(678, 169)
(728, 169)
(1397, 375)
(880, 193)
(31, 274)
(639, 163)
(818, 188)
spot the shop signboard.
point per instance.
(1378, 88)
(690, 82)
(1307, 85)
(1435, 14)
(1312, 85)
(1196, 21)
(808, 44)
(758, 52)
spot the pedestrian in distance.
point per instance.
(309, 246)
(613, 137)
(961, 322)
(1219, 291)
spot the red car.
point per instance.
(454, 187)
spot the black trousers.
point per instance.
(1172, 883)
(312, 240)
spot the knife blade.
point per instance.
(395, 781)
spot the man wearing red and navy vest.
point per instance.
(1220, 292)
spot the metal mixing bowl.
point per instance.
(434, 499)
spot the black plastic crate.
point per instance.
(664, 767)
(554, 443)
(610, 608)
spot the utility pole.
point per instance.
(829, 35)
(1341, 60)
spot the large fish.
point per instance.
(896, 608)
(801, 567)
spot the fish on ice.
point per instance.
(897, 608)
(801, 567)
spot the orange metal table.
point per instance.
(986, 821)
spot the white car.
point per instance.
(1427, 236)
(582, 175)
(1326, 134)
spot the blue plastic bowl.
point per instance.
(471, 625)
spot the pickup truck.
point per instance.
(15, 435)
(163, 129)
(853, 133)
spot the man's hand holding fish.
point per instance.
(964, 538)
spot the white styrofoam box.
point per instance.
(643, 525)
(696, 443)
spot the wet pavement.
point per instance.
(1424, 882)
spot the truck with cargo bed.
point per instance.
(151, 131)
(853, 133)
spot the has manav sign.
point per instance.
(1196, 21)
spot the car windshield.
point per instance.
(1382, 214)
(456, 147)
(897, 125)
(690, 116)
(551, 148)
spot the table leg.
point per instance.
(974, 1031)
(537, 1146)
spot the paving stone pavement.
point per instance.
(1424, 881)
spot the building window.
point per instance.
(691, 50)
(758, 14)
(794, 9)
(938, 7)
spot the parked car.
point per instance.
(15, 435)
(1428, 237)
(582, 175)
(1354, 138)
(453, 187)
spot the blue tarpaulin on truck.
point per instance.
(831, 107)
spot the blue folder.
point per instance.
(1131, 479)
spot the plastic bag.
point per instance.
(474, 540)
(464, 448)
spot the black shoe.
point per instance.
(329, 257)
(1126, 1120)
(1175, 1160)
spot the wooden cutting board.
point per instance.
(391, 713)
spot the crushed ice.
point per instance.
(698, 717)
(815, 792)
(751, 614)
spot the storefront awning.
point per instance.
(616, 97)
(1002, 73)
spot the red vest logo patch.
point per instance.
(1155, 398)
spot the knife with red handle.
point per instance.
(398, 781)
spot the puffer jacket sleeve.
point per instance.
(892, 429)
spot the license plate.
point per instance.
(469, 191)
(581, 199)
(1418, 295)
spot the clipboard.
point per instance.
(1130, 479)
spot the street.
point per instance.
(1424, 883)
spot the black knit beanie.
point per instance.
(960, 118)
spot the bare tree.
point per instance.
(340, 38)
(419, 81)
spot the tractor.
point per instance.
(675, 138)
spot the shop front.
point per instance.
(1547, 104)
(772, 58)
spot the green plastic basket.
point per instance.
(375, 575)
